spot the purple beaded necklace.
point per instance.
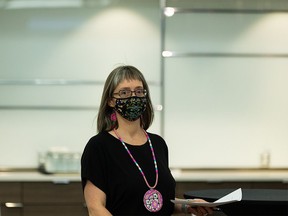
(152, 199)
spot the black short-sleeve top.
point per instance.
(106, 163)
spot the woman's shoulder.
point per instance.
(99, 140)
(159, 144)
(156, 137)
(99, 136)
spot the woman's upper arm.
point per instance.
(95, 200)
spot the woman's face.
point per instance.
(129, 99)
(130, 85)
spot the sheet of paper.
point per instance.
(234, 196)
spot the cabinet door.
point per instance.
(4, 211)
(10, 199)
(10, 192)
(52, 199)
(55, 210)
(49, 192)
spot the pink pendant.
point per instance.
(153, 200)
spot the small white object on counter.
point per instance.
(59, 160)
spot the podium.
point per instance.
(264, 202)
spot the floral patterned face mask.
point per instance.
(131, 108)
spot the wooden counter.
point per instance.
(212, 175)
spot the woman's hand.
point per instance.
(199, 210)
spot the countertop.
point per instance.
(212, 175)
(34, 176)
(232, 175)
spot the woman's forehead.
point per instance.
(129, 83)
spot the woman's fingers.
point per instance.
(200, 211)
(209, 210)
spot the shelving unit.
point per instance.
(22, 83)
(219, 61)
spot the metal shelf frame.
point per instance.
(174, 54)
(54, 82)
(215, 10)
(49, 82)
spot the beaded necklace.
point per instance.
(152, 199)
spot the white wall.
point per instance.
(227, 111)
(218, 112)
(80, 44)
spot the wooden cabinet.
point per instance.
(53, 199)
(10, 199)
(10, 211)
(42, 198)
(49, 192)
(54, 210)
(66, 198)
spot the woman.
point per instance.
(124, 168)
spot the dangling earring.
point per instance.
(113, 117)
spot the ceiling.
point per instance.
(229, 4)
(18, 4)
(195, 4)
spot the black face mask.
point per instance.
(131, 108)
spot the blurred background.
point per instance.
(217, 71)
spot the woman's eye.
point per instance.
(124, 93)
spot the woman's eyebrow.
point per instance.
(128, 88)
(125, 88)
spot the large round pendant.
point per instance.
(153, 200)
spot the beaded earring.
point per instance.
(113, 117)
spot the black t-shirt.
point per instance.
(106, 163)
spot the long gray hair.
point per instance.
(126, 72)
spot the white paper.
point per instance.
(234, 196)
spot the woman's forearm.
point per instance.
(98, 211)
